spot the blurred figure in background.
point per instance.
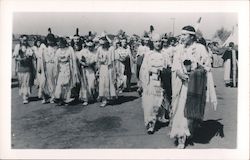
(24, 56)
(230, 58)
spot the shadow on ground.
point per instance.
(208, 130)
(124, 99)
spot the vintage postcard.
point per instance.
(124, 80)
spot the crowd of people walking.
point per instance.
(174, 77)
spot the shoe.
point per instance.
(150, 128)
(25, 101)
(44, 101)
(181, 146)
(163, 120)
(52, 101)
(85, 103)
(139, 91)
(69, 100)
(181, 142)
(103, 104)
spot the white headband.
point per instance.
(187, 32)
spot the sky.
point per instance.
(65, 24)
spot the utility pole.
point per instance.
(173, 19)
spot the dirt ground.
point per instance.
(47, 126)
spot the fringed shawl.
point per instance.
(196, 95)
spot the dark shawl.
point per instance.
(196, 94)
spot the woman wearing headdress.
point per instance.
(47, 69)
(189, 86)
(153, 101)
(66, 70)
(86, 58)
(105, 67)
(23, 56)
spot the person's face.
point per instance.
(68, 41)
(24, 40)
(101, 41)
(76, 40)
(186, 38)
(157, 45)
(50, 43)
(165, 44)
(123, 42)
(146, 42)
(172, 43)
(38, 43)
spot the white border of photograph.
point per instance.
(8, 7)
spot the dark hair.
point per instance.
(24, 35)
(231, 44)
(62, 41)
(37, 40)
(191, 29)
(170, 39)
(187, 62)
(203, 42)
(151, 45)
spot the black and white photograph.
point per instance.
(125, 80)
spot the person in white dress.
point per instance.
(153, 93)
(188, 100)
(47, 69)
(105, 59)
(87, 61)
(65, 69)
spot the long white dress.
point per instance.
(64, 61)
(120, 56)
(106, 82)
(152, 96)
(197, 54)
(87, 74)
(48, 67)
